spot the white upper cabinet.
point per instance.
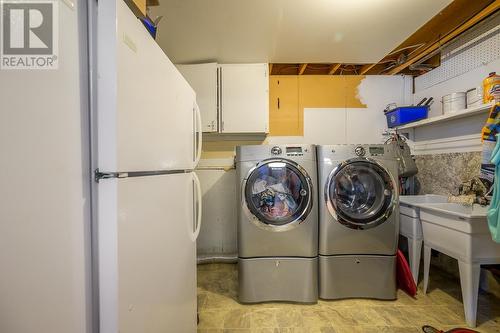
(203, 79)
(232, 98)
(244, 98)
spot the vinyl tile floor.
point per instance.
(220, 312)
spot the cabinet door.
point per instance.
(244, 98)
(203, 79)
(284, 116)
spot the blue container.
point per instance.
(406, 114)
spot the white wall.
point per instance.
(44, 190)
(218, 228)
(321, 126)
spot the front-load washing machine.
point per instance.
(359, 221)
(277, 223)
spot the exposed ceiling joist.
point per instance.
(418, 54)
(334, 68)
(302, 69)
(366, 68)
(490, 9)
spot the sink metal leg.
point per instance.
(414, 252)
(469, 281)
(427, 264)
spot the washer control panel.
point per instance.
(294, 151)
(290, 151)
(359, 151)
(276, 150)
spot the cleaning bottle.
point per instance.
(491, 81)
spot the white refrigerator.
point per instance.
(147, 143)
(118, 255)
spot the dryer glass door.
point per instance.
(278, 193)
(361, 194)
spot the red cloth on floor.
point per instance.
(404, 276)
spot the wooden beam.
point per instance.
(436, 45)
(448, 19)
(366, 68)
(138, 7)
(334, 68)
(302, 69)
(270, 69)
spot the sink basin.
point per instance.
(455, 209)
(467, 219)
(409, 222)
(408, 203)
(419, 199)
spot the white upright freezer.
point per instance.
(148, 142)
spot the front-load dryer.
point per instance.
(359, 221)
(277, 223)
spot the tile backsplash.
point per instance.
(443, 173)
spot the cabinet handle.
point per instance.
(278, 103)
(221, 106)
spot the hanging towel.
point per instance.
(494, 210)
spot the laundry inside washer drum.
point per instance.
(360, 192)
(277, 194)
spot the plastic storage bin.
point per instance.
(406, 114)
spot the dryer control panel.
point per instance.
(377, 151)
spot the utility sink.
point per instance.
(408, 204)
(454, 229)
(411, 227)
(460, 232)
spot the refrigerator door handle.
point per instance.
(198, 134)
(99, 175)
(197, 208)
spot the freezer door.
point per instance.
(148, 118)
(156, 254)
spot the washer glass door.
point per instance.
(360, 194)
(278, 194)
